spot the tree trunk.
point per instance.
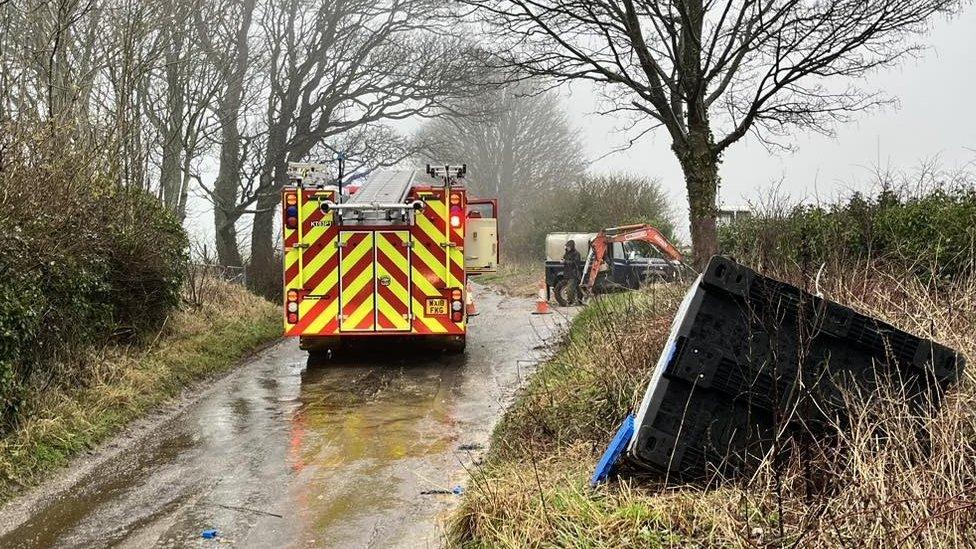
(228, 179)
(170, 176)
(228, 254)
(265, 269)
(225, 190)
(264, 275)
(700, 167)
(170, 173)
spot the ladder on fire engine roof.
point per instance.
(386, 187)
(381, 200)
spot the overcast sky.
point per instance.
(936, 116)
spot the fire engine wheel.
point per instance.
(566, 293)
(456, 345)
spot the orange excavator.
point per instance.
(628, 272)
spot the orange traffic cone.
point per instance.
(469, 303)
(541, 304)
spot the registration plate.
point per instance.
(436, 307)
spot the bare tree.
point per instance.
(223, 28)
(178, 103)
(711, 71)
(337, 67)
(517, 142)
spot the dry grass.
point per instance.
(126, 382)
(897, 489)
(516, 278)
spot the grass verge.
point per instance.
(532, 490)
(124, 383)
(515, 278)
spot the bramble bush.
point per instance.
(83, 262)
(929, 233)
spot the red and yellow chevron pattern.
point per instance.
(438, 264)
(356, 278)
(369, 280)
(393, 281)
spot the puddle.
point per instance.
(340, 450)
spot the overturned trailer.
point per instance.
(751, 359)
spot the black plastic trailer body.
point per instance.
(749, 356)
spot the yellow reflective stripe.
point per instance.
(360, 313)
(391, 314)
(400, 261)
(437, 237)
(398, 256)
(314, 234)
(351, 288)
(421, 253)
(324, 255)
(329, 314)
(351, 257)
(292, 255)
(455, 256)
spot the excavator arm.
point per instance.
(629, 233)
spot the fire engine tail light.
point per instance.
(291, 306)
(456, 216)
(291, 210)
(457, 305)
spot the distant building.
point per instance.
(727, 217)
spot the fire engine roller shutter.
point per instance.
(311, 265)
(319, 254)
(392, 280)
(357, 281)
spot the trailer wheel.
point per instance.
(566, 293)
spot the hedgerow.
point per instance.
(930, 233)
(83, 262)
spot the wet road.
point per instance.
(287, 453)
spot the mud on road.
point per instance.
(287, 453)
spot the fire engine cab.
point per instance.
(390, 259)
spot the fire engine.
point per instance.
(390, 258)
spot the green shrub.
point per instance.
(82, 262)
(588, 205)
(930, 234)
(147, 267)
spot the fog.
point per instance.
(931, 120)
(934, 119)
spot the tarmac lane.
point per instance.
(284, 452)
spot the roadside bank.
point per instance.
(533, 489)
(126, 382)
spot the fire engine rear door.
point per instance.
(481, 237)
(357, 281)
(392, 281)
(374, 281)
